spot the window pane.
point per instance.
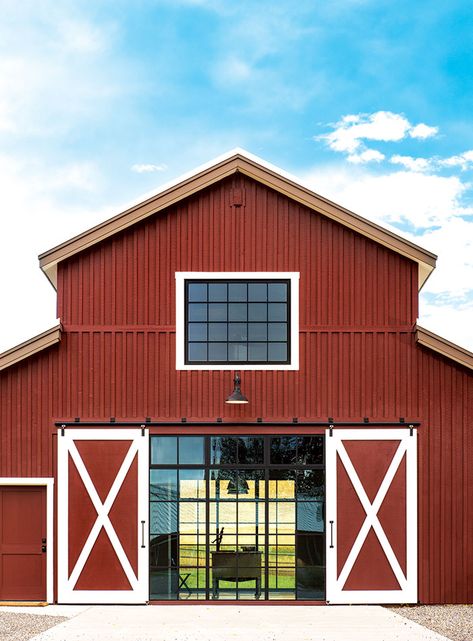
(191, 450)
(310, 516)
(283, 449)
(218, 292)
(163, 450)
(237, 312)
(217, 351)
(197, 351)
(277, 312)
(277, 352)
(237, 332)
(197, 332)
(277, 292)
(191, 484)
(257, 332)
(277, 331)
(257, 291)
(163, 518)
(250, 449)
(197, 291)
(223, 450)
(163, 485)
(237, 352)
(217, 312)
(257, 351)
(310, 450)
(217, 331)
(257, 312)
(310, 485)
(237, 291)
(197, 312)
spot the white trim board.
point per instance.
(181, 277)
(49, 484)
(139, 447)
(335, 583)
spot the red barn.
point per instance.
(237, 404)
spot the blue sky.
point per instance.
(368, 101)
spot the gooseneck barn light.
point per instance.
(236, 397)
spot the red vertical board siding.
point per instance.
(358, 357)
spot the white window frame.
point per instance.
(48, 483)
(181, 277)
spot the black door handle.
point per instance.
(331, 534)
(143, 534)
(43, 548)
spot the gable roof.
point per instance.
(442, 346)
(235, 161)
(28, 348)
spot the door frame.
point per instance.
(140, 444)
(407, 438)
(48, 483)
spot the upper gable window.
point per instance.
(229, 320)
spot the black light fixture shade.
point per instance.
(240, 487)
(236, 397)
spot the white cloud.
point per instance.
(369, 155)
(396, 197)
(35, 214)
(349, 133)
(146, 168)
(464, 161)
(414, 164)
(423, 131)
(433, 205)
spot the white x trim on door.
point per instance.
(139, 443)
(407, 582)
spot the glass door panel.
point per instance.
(237, 517)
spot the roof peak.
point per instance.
(235, 160)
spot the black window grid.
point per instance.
(247, 322)
(268, 566)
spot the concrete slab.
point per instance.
(48, 610)
(237, 623)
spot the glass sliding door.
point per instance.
(237, 517)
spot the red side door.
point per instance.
(22, 543)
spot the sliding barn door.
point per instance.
(103, 516)
(371, 514)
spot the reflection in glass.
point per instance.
(218, 292)
(197, 292)
(163, 485)
(197, 312)
(217, 332)
(197, 332)
(310, 516)
(223, 450)
(217, 312)
(191, 450)
(259, 533)
(283, 449)
(197, 351)
(163, 518)
(310, 485)
(250, 449)
(217, 351)
(191, 484)
(164, 450)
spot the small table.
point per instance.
(236, 566)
